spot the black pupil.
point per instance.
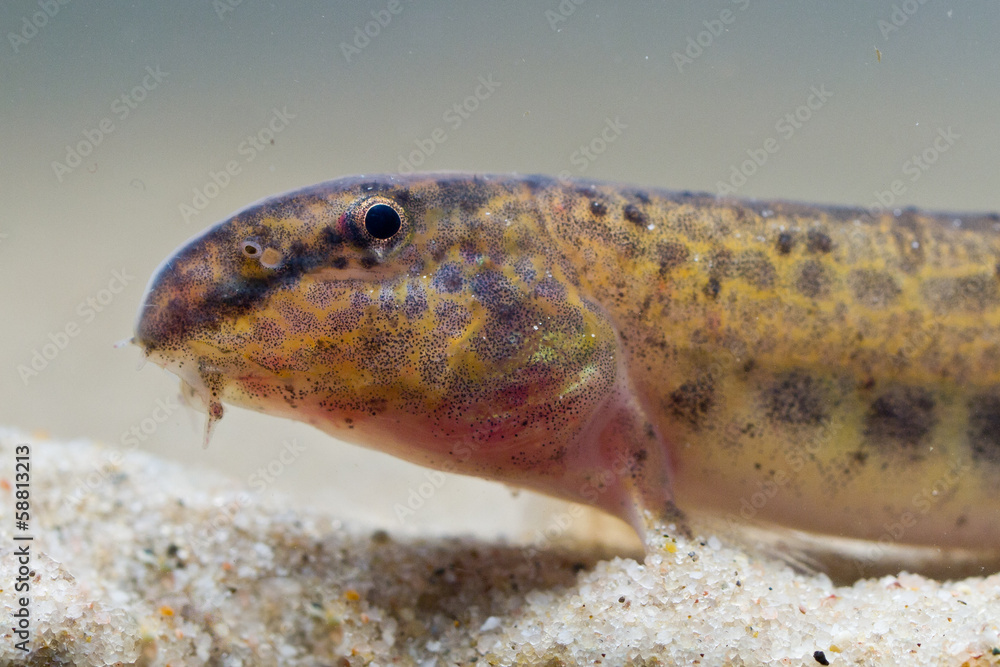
(382, 221)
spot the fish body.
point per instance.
(822, 368)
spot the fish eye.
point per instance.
(382, 221)
(377, 224)
(251, 248)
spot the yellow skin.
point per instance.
(819, 368)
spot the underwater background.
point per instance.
(126, 128)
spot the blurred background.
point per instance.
(127, 128)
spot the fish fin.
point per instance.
(214, 415)
(634, 450)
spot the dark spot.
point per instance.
(671, 255)
(332, 237)
(984, 427)
(401, 195)
(754, 267)
(550, 288)
(797, 398)
(368, 262)
(525, 270)
(749, 365)
(498, 294)
(448, 278)
(299, 259)
(339, 262)
(537, 182)
(785, 243)
(712, 288)
(971, 294)
(820, 657)
(598, 208)
(902, 416)
(692, 400)
(818, 241)
(465, 194)
(873, 288)
(633, 214)
(721, 262)
(415, 303)
(812, 280)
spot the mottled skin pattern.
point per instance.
(820, 368)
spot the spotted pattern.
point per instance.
(529, 329)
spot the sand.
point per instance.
(147, 562)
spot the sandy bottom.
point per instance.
(158, 565)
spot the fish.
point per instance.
(647, 352)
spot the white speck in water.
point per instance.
(956, 223)
(915, 244)
(650, 227)
(897, 212)
(766, 213)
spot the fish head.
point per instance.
(432, 317)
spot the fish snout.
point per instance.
(174, 305)
(165, 315)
